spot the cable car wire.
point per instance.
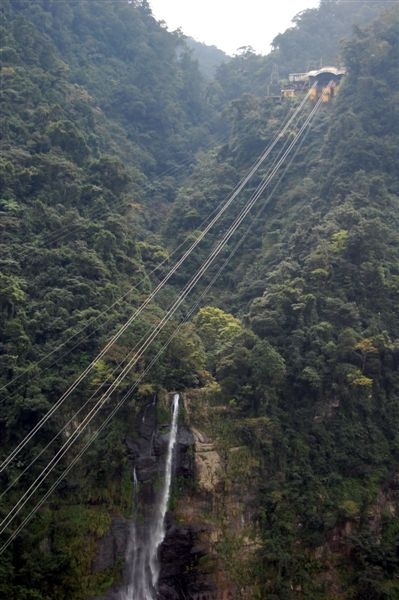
(138, 311)
(156, 330)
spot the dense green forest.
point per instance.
(115, 150)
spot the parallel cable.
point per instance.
(154, 333)
(106, 310)
(78, 412)
(256, 217)
(96, 433)
(255, 196)
(123, 374)
(91, 322)
(82, 376)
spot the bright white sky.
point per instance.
(229, 24)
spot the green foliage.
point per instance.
(316, 285)
(11, 294)
(216, 328)
(95, 96)
(100, 104)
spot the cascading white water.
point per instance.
(144, 543)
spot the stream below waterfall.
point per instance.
(146, 536)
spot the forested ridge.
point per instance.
(115, 150)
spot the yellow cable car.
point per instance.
(288, 93)
(326, 94)
(313, 94)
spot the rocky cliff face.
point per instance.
(180, 551)
(209, 534)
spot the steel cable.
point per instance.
(110, 416)
(154, 333)
(123, 328)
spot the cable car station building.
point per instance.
(323, 82)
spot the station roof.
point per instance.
(334, 71)
(330, 70)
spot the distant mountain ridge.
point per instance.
(209, 57)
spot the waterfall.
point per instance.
(146, 538)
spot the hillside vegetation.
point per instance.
(114, 151)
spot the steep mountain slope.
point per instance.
(297, 393)
(139, 74)
(72, 186)
(316, 281)
(75, 238)
(329, 307)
